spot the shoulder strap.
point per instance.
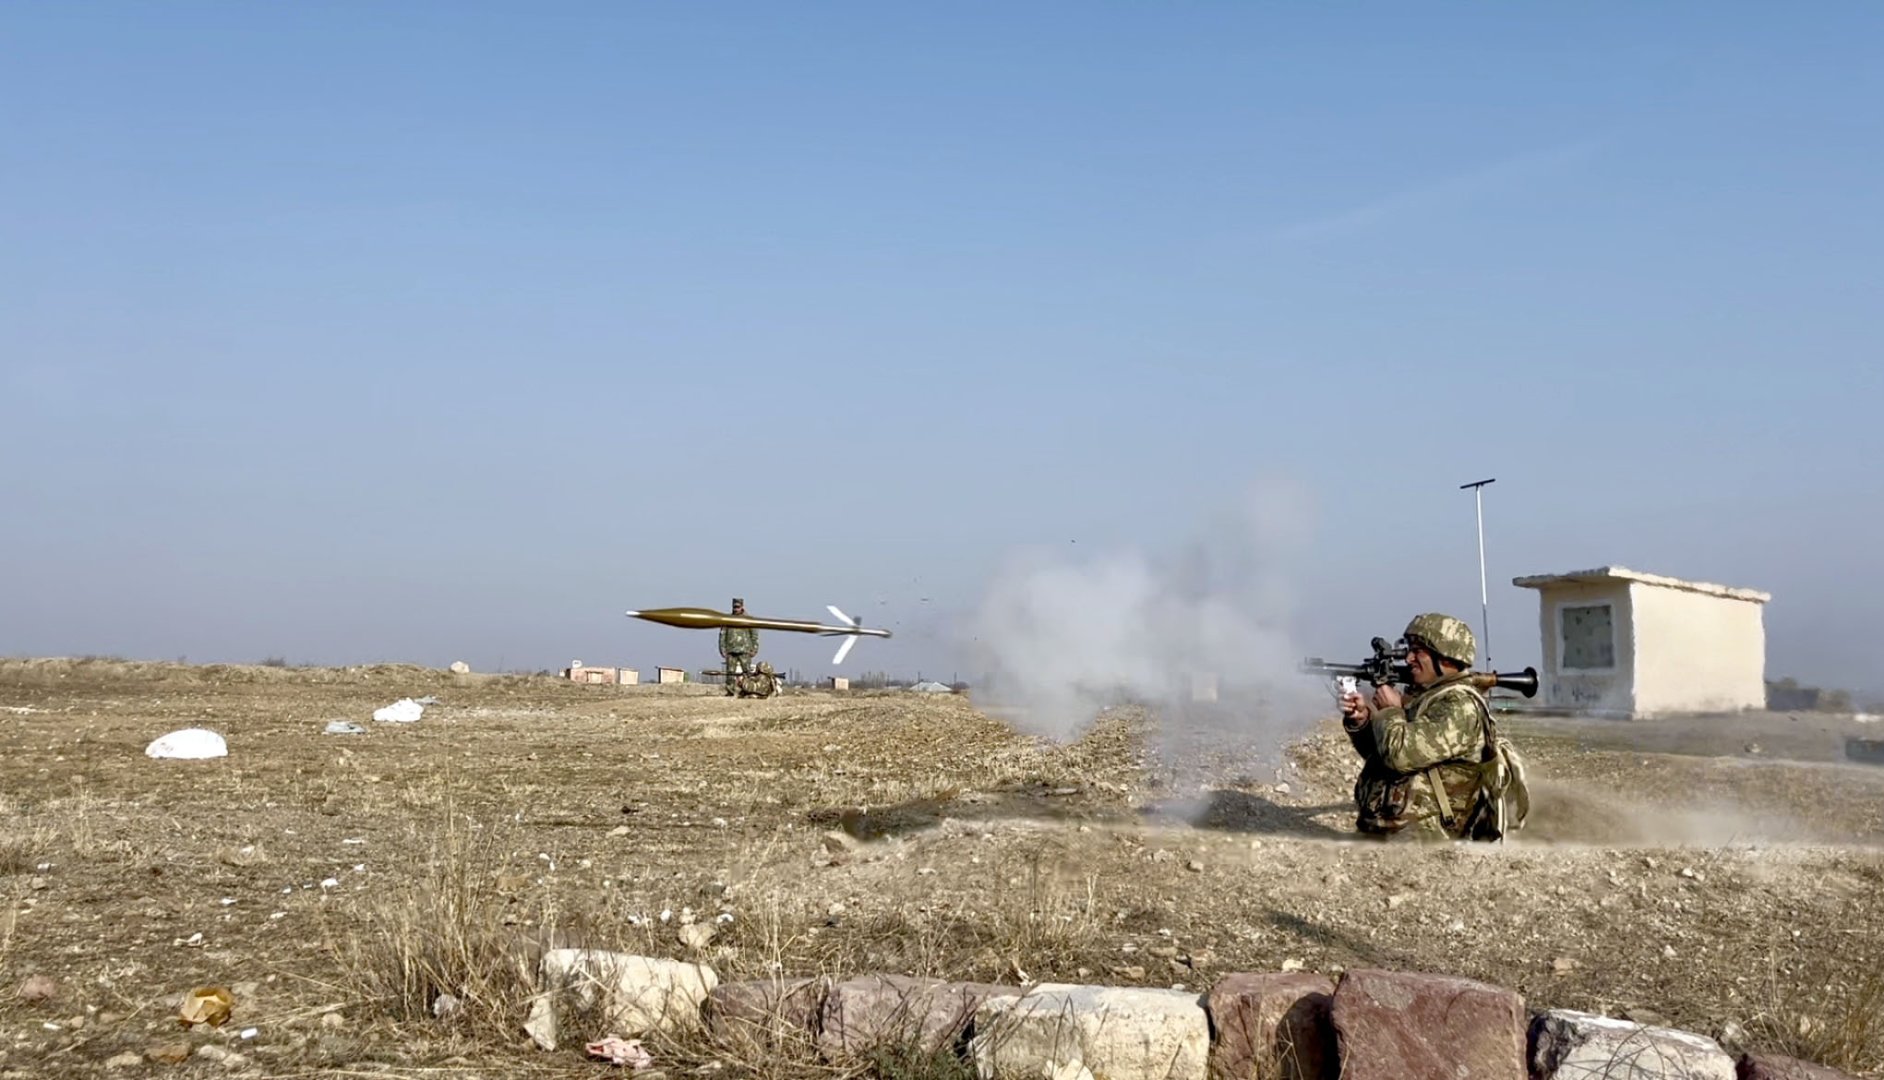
(1486, 721)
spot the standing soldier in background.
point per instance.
(738, 645)
(1434, 767)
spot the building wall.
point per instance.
(670, 675)
(1699, 653)
(1601, 690)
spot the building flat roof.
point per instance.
(1623, 573)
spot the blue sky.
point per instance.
(350, 332)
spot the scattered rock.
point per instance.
(38, 988)
(1407, 1026)
(445, 1006)
(126, 1060)
(459, 667)
(1271, 1025)
(334, 1021)
(1062, 1030)
(170, 1053)
(1194, 866)
(1568, 1045)
(223, 1056)
(696, 936)
(839, 843)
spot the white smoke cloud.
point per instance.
(1062, 637)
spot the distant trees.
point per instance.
(1788, 694)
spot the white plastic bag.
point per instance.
(403, 711)
(189, 744)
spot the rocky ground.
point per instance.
(373, 902)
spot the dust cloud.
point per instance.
(1201, 635)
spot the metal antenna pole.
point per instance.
(1484, 597)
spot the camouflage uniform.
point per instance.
(1440, 741)
(762, 683)
(738, 645)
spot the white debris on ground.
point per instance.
(343, 727)
(190, 744)
(403, 711)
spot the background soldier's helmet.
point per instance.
(739, 606)
(1444, 635)
(765, 668)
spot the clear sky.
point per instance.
(349, 332)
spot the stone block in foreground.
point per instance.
(928, 1014)
(1070, 1032)
(633, 994)
(1271, 1025)
(1392, 1025)
(775, 1009)
(1570, 1045)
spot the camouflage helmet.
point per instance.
(1445, 636)
(765, 668)
(738, 605)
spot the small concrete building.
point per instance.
(670, 675)
(1619, 642)
(837, 682)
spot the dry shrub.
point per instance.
(1843, 1029)
(444, 933)
(18, 852)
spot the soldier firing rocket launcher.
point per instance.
(695, 618)
(1388, 667)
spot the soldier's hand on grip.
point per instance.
(1355, 709)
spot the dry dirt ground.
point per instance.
(337, 884)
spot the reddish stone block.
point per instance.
(873, 1010)
(1405, 1026)
(778, 1008)
(1267, 1025)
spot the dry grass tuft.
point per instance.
(1844, 1029)
(18, 852)
(444, 933)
